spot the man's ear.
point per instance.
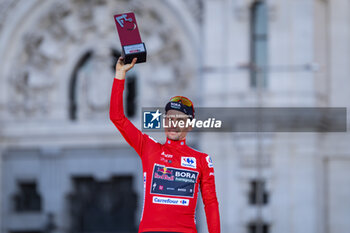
(189, 128)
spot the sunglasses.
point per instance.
(183, 100)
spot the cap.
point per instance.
(180, 107)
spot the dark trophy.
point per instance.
(130, 38)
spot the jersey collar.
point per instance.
(176, 143)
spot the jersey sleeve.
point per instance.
(207, 186)
(132, 135)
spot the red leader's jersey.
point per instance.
(172, 174)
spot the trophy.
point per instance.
(130, 38)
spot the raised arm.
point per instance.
(116, 111)
(211, 205)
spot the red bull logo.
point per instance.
(165, 170)
(164, 174)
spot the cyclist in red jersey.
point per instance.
(172, 172)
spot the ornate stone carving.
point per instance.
(76, 23)
(31, 81)
(196, 9)
(94, 83)
(5, 8)
(53, 22)
(165, 52)
(32, 78)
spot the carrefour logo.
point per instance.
(188, 162)
(171, 201)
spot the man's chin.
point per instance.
(173, 135)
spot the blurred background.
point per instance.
(65, 168)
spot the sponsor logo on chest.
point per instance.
(166, 157)
(171, 201)
(173, 181)
(188, 162)
(169, 156)
(209, 161)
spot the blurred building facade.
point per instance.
(64, 168)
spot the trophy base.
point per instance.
(136, 50)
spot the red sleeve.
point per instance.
(211, 205)
(116, 113)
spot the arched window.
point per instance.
(258, 38)
(130, 89)
(91, 83)
(73, 105)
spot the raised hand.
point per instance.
(121, 68)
